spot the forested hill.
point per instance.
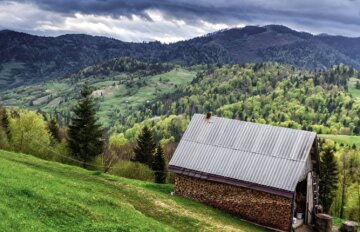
(26, 58)
(322, 101)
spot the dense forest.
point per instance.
(266, 93)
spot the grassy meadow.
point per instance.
(39, 195)
(352, 89)
(344, 139)
(112, 93)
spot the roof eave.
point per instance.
(230, 181)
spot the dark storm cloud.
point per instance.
(343, 11)
(200, 16)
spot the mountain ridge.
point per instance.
(29, 58)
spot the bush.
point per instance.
(133, 170)
(29, 134)
(4, 143)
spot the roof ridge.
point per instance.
(255, 123)
(258, 153)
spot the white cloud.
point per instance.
(38, 21)
(172, 20)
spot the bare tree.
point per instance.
(113, 154)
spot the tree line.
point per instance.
(84, 139)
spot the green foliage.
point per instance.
(85, 134)
(54, 130)
(159, 165)
(357, 86)
(268, 93)
(132, 170)
(145, 149)
(4, 121)
(29, 134)
(4, 129)
(4, 143)
(328, 178)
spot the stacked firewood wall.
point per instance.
(256, 206)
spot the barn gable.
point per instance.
(268, 158)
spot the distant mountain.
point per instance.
(26, 58)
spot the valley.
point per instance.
(53, 87)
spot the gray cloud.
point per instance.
(344, 11)
(329, 16)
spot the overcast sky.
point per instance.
(173, 20)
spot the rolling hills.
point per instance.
(28, 59)
(120, 86)
(38, 195)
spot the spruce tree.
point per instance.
(145, 149)
(4, 121)
(328, 178)
(357, 85)
(54, 129)
(85, 137)
(159, 165)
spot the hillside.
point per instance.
(129, 91)
(344, 139)
(119, 85)
(38, 195)
(27, 58)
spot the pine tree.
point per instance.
(85, 134)
(145, 149)
(328, 178)
(54, 129)
(4, 121)
(357, 85)
(159, 165)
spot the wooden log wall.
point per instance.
(256, 206)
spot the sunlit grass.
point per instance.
(38, 195)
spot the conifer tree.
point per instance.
(357, 85)
(328, 178)
(85, 133)
(145, 149)
(54, 129)
(159, 165)
(4, 121)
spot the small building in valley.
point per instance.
(264, 174)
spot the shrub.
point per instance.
(133, 170)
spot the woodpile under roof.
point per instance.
(247, 154)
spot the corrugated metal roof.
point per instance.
(265, 155)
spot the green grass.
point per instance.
(123, 98)
(352, 89)
(38, 195)
(345, 139)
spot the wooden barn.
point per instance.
(264, 174)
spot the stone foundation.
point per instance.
(256, 206)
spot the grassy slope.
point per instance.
(352, 89)
(48, 95)
(156, 86)
(38, 195)
(345, 139)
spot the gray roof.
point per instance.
(253, 153)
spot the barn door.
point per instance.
(309, 199)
